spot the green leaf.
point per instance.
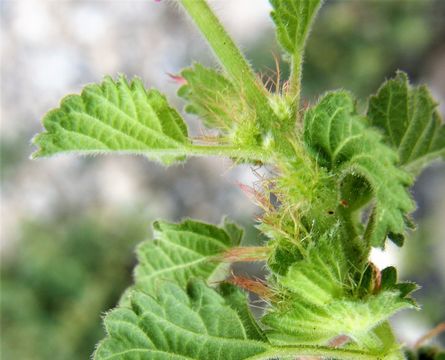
(223, 106)
(114, 116)
(177, 325)
(238, 301)
(318, 304)
(123, 117)
(384, 345)
(237, 68)
(409, 120)
(340, 140)
(308, 323)
(293, 19)
(389, 282)
(211, 96)
(182, 251)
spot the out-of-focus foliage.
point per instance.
(423, 250)
(425, 353)
(65, 273)
(357, 43)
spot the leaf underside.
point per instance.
(114, 116)
(211, 96)
(340, 141)
(409, 121)
(183, 251)
(178, 325)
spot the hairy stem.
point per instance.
(252, 154)
(294, 87)
(231, 58)
(293, 352)
(353, 244)
(221, 43)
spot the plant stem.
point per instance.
(294, 89)
(231, 58)
(229, 151)
(221, 43)
(292, 352)
(353, 245)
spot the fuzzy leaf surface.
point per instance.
(183, 251)
(239, 302)
(211, 96)
(341, 141)
(409, 120)
(293, 20)
(319, 305)
(177, 325)
(114, 116)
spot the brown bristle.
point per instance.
(377, 276)
(178, 79)
(339, 341)
(256, 196)
(254, 286)
(246, 254)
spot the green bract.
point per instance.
(341, 180)
(340, 140)
(212, 97)
(320, 301)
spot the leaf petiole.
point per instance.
(293, 352)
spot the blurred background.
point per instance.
(69, 225)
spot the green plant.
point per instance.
(340, 187)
